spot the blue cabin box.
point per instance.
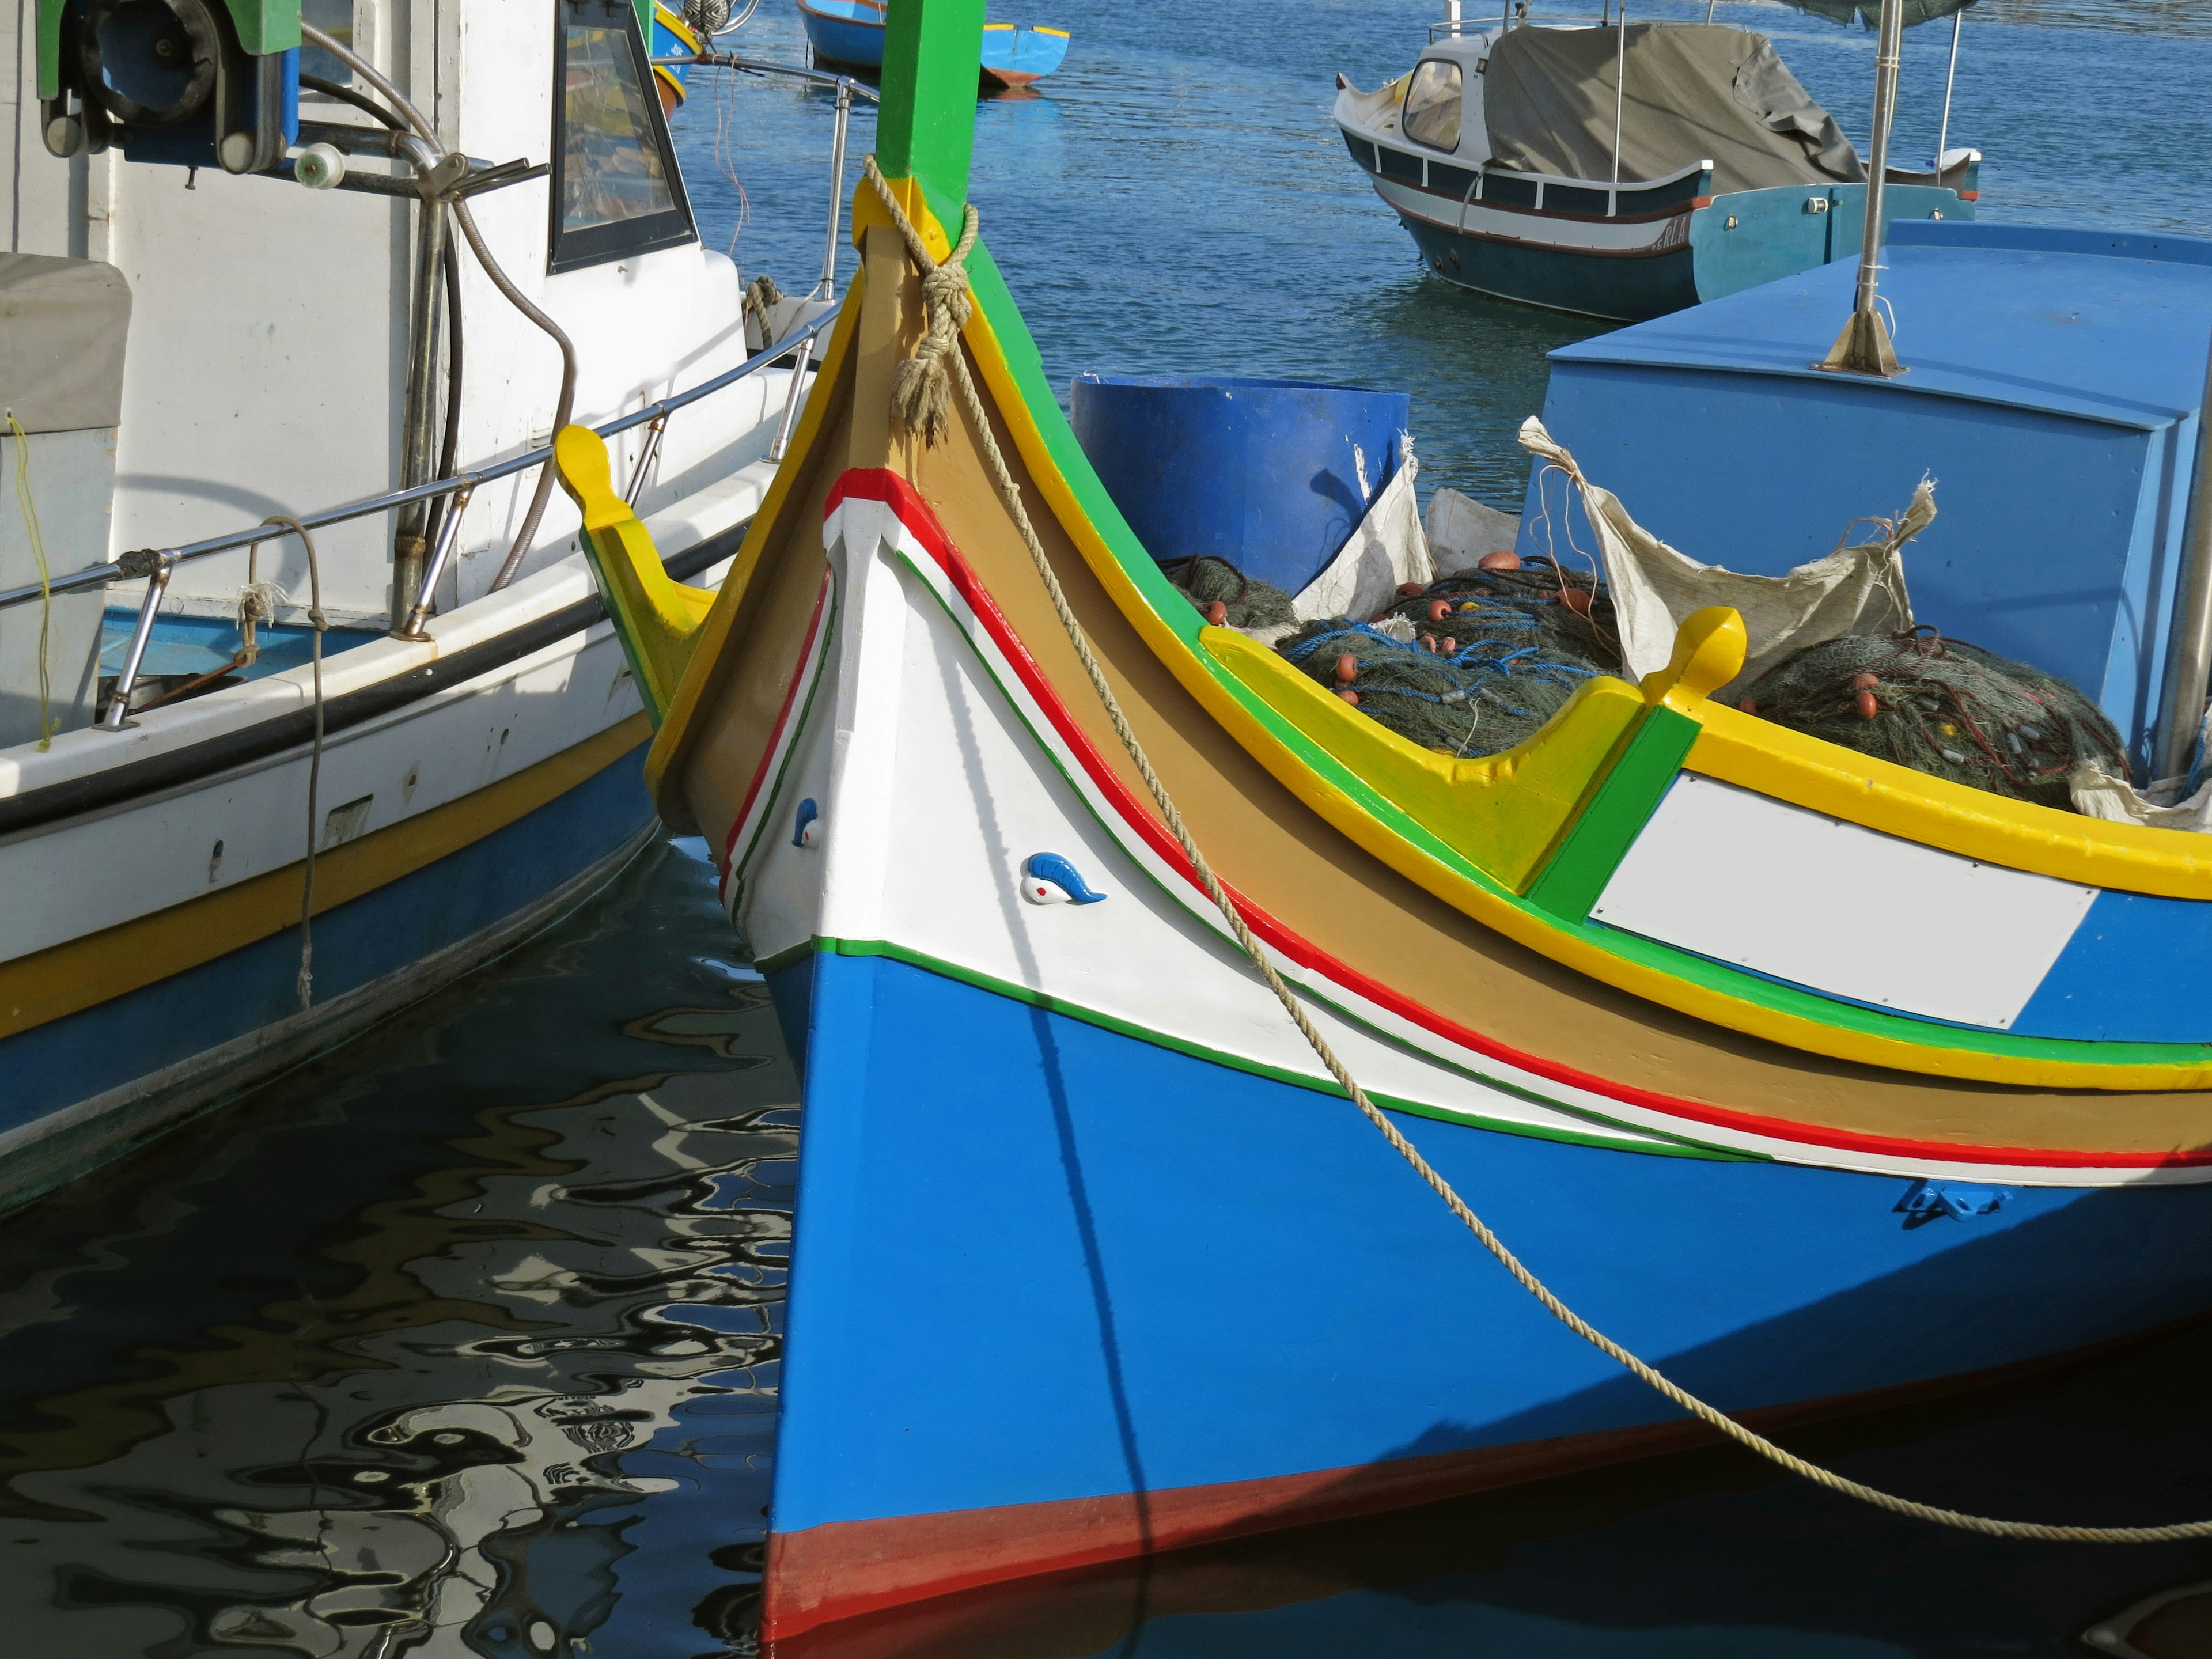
(2053, 385)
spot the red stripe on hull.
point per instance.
(846, 1569)
(893, 491)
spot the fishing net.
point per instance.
(1532, 603)
(1210, 580)
(1483, 695)
(1941, 706)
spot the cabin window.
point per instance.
(616, 189)
(1432, 115)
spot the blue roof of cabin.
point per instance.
(2108, 326)
(2054, 381)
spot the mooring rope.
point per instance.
(949, 278)
(304, 982)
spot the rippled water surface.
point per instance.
(465, 1340)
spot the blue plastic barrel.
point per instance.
(1266, 474)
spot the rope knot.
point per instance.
(921, 385)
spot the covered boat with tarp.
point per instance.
(1803, 1070)
(1626, 170)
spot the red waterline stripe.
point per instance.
(776, 731)
(921, 522)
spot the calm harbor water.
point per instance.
(464, 1340)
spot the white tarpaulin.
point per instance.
(1854, 590)
(1463, 531)
(1386, 550)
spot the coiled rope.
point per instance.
(928, 362)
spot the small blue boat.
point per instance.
(850, 34)
(1626, 170)
(671, 37)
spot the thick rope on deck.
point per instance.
(1010, 492)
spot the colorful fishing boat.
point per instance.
(1815, 1080)
(1628, 170)
(850, 34)
(672, 37)
(407, 722)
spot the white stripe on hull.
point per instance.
(1607, 236)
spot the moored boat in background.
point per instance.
(850, 34)
(1623, 171)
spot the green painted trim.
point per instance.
(1597, 841)
(1657, 1147)
(783, 958)
(926, 127)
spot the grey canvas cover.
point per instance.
(62, 327)
(1695, 92)
(1868, 12)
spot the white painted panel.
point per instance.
(1799, 896)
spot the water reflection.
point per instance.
(391, 1358)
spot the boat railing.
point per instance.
(155, 566)
(1543, 193)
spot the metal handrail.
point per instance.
(132, 566)
(765, 66)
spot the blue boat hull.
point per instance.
(196, 1037)
(1176, 1301)
(1013, 55)
(842, 41)
(1719, 249)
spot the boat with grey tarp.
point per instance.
(1628, 169)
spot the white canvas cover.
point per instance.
(1696, 92)
(1386, 549)
(1462, 529)
(1853, 590)
(62, 328)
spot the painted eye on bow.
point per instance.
(1048, 879)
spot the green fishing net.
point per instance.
(1487, 693)
(1941, 706)
(1210, 580)
(1562, 611)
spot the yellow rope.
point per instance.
(47, 726)
(1011, 492)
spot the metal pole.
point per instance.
(1452, 13)
(118, 714)
(828, 286)
(1619, 90)
(645, 457)
(1943, 135)
(2188, 659)
(1709, 4)
(417, 464)
(792, 399)
(1864, 347)
(449, 534)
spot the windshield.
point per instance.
(1432, 106)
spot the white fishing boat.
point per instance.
(294, 300)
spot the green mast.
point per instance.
(932, 54)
